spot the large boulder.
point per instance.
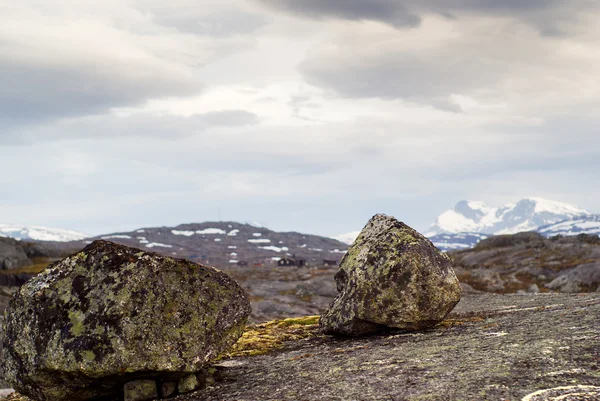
(391, 277)
(111, 314)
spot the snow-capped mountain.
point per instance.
(36, 233)
(461, 226)
(526, 215)
(581, 225)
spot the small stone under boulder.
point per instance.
(111, 315)
(391, 277)
(140, 390)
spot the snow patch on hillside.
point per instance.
(211, 231)
(184, 233)
(259, 241)
(116, 236)
(157, 244)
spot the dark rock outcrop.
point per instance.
(391, 277)
(110, 315)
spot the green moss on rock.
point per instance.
(90, 323)
(391, 277)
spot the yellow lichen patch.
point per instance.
(448, 323)
(295, 321)
(262, 338)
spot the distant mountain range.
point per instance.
(228, 243)
(526, 215)
(223, 244)
(35, 233)
(471, 221)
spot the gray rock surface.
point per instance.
(391, 277)
(112, 314)
(491, 347)
(582, 278)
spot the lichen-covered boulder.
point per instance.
(391, 277)
(111, 314)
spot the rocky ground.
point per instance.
(528, 262)
(492, 347)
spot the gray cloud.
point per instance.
(426, 78)
(34, 93)
(489, 59)
(61, 66)
(388, 11)
(409, 13)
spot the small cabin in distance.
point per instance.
(291, 262)
(330, 262)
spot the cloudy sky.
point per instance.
(308, 115)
